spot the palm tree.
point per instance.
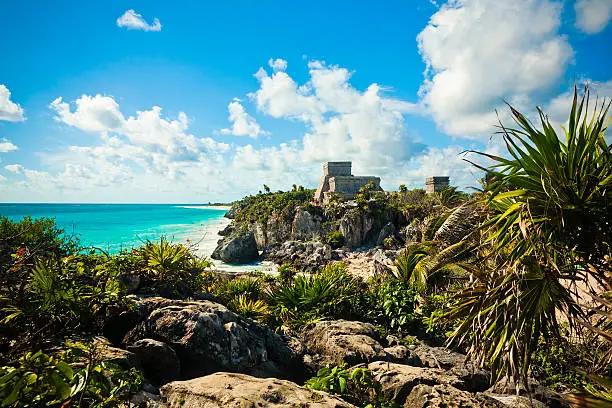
(548, 231)
(445, 244)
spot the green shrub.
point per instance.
(173, 268)
(286, 272)
(254, 309)
(62, 298)
(77, 377)
(23, 244)
(229, 290)
(356, 385)
(331, 293)
(260, 207)
(392, 305)
(335, 239)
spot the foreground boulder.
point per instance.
(239, 390)
(159, 361)
(398, 380)
(446, 396)
(332, 342)
(207, 337)
(239, 249)
(474, 378)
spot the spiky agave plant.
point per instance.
(548, 228)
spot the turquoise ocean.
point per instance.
(112, 227)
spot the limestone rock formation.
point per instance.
(474, 378)
(398, 380)
(305, 226)
(224, 390)
(332, 342)
(355, 228)
(239, 249)
(207, 337)
(446, 396)
(159, 361)
(309, 256)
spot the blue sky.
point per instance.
(134, 101)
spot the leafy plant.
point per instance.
(173, 267)
(357, 385)
(327, 294)
(547, 228)
(77, 377)
(335, 239)
(392, 305)
(254, 309)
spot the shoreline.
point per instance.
(208, 242)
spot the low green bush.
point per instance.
(355, 385)
(335, 239)
(76, 377)
(392, 305)
(330, 293)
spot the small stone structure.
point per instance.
(337, 179)
(435, 184)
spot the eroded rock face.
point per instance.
(447, 396)
(309, 256)
(386, 231)
(332, 342)
(207, 337)
(355, 227)
(159, 361)
(239, 249)
(305, 226)
(398, 380)
(239, 390)
(536, 391)
(474, 378)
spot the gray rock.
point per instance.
(446, 396)
(517, 401)
(536, 390)
(228, 230)
(225, 390)
(159, 361)
(474, 378)
(237, 249)
(337, 341)
(208, 337)
(355, 227)
(308, 256)
(398, 380)
(130, 282)
(123, 358)
(386, 231)
(305, 225)
(401, 354)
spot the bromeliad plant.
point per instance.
(548, 232)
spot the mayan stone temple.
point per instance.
(337, 179)
(435, 184)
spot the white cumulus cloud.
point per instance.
(14, 168)
(341, 122)
(482, 52)
(592, 16)
(277, 64)
(92, 114)
(243, 124)
(9, 110)
(134, 21)
(7, 146)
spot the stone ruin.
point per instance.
(435, 184)
(337, 179)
